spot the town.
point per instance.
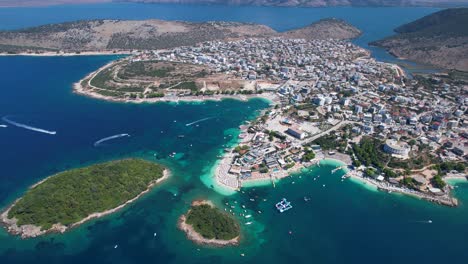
(330, 99)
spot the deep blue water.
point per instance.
(343, 223)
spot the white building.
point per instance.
(397, 148)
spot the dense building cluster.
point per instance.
(325, 89)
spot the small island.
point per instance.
(72, 197)
(207, 225)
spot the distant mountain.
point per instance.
(439, 39)
(304, 3)
(314, 3)
(23, 3)
(105, 35)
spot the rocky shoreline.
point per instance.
(79, 89)
(199, 239)
(31, 231)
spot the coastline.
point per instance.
(445, 199)
(66, 54)
(31, 231)
(199, 239)
(79, 89)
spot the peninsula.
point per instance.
(206, 225)
(70, 198)
(127, 36)
(439, 39)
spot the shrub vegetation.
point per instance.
(72, 195)
(211, 223)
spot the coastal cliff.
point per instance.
(439, 39)
(118, 35)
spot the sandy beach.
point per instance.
(30, 231)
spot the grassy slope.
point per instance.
(70, 196)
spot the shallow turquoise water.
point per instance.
(343, 223)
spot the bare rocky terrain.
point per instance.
(117, 35)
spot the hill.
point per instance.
(325, 29)
(111, 35)
(439, 39)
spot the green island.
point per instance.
(206, 224)
(72, 197)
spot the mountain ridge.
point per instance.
(291, 3)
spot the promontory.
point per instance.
(439, 39)
(72, 197)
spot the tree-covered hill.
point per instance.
(70, 196)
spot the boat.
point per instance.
(180, 136)
(248, 223)
(116, 246)
(283, 205)
(306, 198)
(248, 216)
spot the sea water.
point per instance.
(343, 222)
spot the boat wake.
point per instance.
(97, 143)
(423, 222)
(36, 129)
(198, 121)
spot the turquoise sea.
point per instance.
(344, 222)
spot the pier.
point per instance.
(337, 169)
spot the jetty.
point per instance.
(337, 169)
